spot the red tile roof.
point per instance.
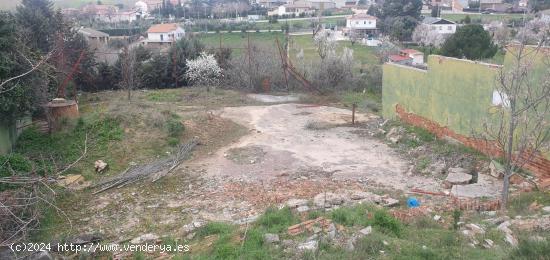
(162, 28)
(397, 58)
(409, 51)
(362, 17)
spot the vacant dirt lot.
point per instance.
(251, 158)
(293, 139)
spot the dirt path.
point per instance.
(280, 143)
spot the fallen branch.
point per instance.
(79, 158)
(153, 171)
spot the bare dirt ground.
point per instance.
(281, 152)
(284, 146)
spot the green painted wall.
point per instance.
(10, 132)
(7, 138)
(452, 92)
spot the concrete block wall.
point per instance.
(453, 98)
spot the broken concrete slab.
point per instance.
(475, 228)
(327, 200)
(359, 195)
(476, 190)
(273, 99)
(296, 203)
(301, 209)
(488, 243)
(271, 238)
(308, 246)
(149, 237)
(510, 239)
(457, 176)
(389, 202)
(365, 231)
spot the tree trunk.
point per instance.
(508, 156)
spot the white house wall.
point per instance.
(361, 24)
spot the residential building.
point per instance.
(95, 38)
(459, 5)
(416, 56)
(544, 15)
(407, 57)
(523, 3)
(109, 13)
(322, 4)
(440, 25)
(272, 3)
(164, 33)
(494, 5)
(297, 8)
(399, 59)
(361, 24)
(104, 13)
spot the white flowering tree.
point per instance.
(204, 71)
(325, 42)
(424, 35)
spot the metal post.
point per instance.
(353, 114)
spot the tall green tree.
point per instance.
(399, 17)
(39, 24)
(16, 96)
(539, 5)
(469, 41)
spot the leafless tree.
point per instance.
(128, 70)
(353, 36)
(520, 130)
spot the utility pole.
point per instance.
(249, 61)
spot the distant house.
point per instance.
(459, 5)
(407, 57)
(297, 8)
(70, 12)
(271, 3)
(523, 3)
(164, 33)
(105, 13)
(157, 4)
(544, 15)
(95, 38)
(416, 56)
(494, 5)
(109, 13)
(345, 3)
(440, 25)
(322, 4)
(362, 24)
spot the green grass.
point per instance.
(53, 151)
(351, 216)
(366, 102)
(424, 238)
(519, 204)
(276, 220)
(239, 41)
(484, 17)
(363, 55)
(529, 249)
(215, 228)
